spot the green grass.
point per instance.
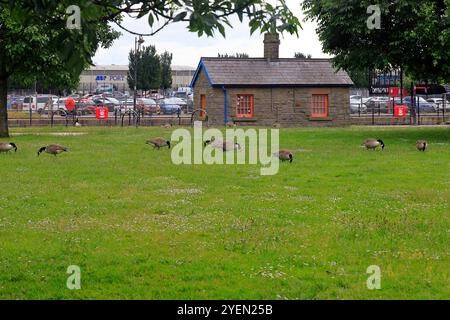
(141, 227)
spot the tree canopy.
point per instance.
(414, 35)
(300, 55)
(166, 70)
(35, 42)
(148, 64)
(237, 55)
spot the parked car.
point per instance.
(171, 109)
(85, 98)
(439, 103)
(104, 88)
(378, 104)
(148, 106)
(357, 108)
(85, 108)
(59, 104)
(106, 102)
(424, 105)
(15, 102)
(126, 104)
(175, 101)
(37, 104)
(357, 104)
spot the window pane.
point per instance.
(319, 105)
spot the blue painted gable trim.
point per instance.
(201, 65)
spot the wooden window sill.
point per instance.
(253, 119)
(320, 118)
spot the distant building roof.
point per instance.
(111, 67)
(182, 68)
(121, 67)
(273, 73)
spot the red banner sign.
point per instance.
(400, 111)
(395, 92)
(101, 113)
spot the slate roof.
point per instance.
(273, 73)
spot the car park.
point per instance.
(439, 103)
(147, 106)
(423, 105)
(104, 88)
(170, 109)
(358, 104)
(37, 104)
(175, 102)
(106, 102)
(378, 105)
(358, 108)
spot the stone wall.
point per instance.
(288, 107)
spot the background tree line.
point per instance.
(153, 69)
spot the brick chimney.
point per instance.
(271, 46)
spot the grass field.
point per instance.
(140, 227)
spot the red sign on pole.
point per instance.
(400, 111)
(395, 92)
(101, 113)
(70, 104)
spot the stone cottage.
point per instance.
(272, 90)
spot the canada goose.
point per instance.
(77, 123)
(53, 149)
(209, 141)
(230, 146)
(158, 143)
(421, 145)
(6, 147)
(284, 155)
(373, 144)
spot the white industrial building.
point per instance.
(116, 75)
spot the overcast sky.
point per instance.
(187, 48)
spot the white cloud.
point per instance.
(187, 48)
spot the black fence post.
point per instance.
(31, 117)
(393, 106)
(444, 102)
(418, 111)
(373, 116)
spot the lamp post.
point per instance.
(137, 45)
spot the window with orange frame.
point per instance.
(319, 105)
(245, 106)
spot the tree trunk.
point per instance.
(4, 133)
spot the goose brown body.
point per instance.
(284, 155)
(372, 144)
(158, 143)
(421, 145)
(230, 146)
(7, 146)
(223, 145)
(53, 149)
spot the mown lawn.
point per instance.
(140, 227)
